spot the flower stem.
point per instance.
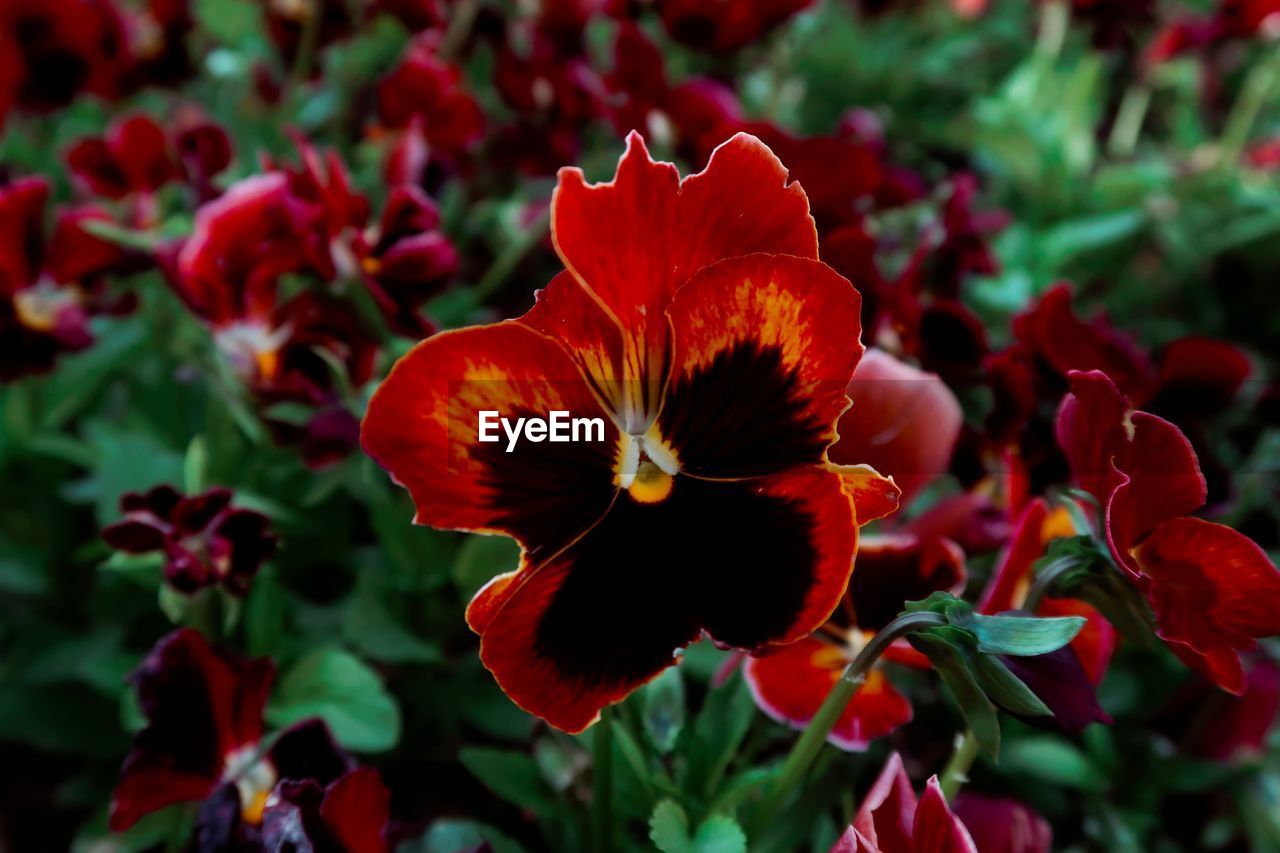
(1244, 113)
(509, 258)
(956, 773)
(602, 782)
(809, 744)
(307, 44)
(1054, 21)
(1045, 580)
(1128, 124)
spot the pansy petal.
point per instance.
(1011, 578)
(637, 238)
(874, 496)
(1213, 591)
(423, 427)
(886, 816)
(1003, 825)
(758, 562)
(894, 569)
(1090, 431)
(1164, 481)
(356, 809)
(764, 347)
(937, 829)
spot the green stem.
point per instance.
(810, 742)
(1054, 22)
(602, 782)
(956, 773)
(307, 45)
(1128, 125)
(1244, 113)
(1045, 580)
(455, 34)
(509, 258)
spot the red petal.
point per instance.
(142, 152)
(1012, 575)
(93, 164)
(873, 496)
(764, 347)
(887, 814)
(422, 426)
(903, 422)
(634, 240)
(1003, 825)
(1164, 481)
(357, 809)
(1090, 431)
(937, 829)
(21, 233)
(1213, 590)
(893, 569)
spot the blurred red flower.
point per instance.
(206, 541)
(1212, 589)
(350, 815)
(49, 288)
(679, 298)
(719, 27)
(204, 742)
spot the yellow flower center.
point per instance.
(651, 483)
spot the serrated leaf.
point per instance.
(669, 827)
(720, 834)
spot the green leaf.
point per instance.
(343, 691)
(1023, 635)
(720, 834)
(669, 828)
(1006, 689)
(717, 733)
(513, 776)
(461, 836)
(664, 711)
(1053, 760)
(195, 466)
(372, 628)
(482, 558)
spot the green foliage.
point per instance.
(343, 691)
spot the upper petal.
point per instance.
(887, 813)
(937, 829)
(764, 347)
(422, 426)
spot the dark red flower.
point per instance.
(790, 684)
(694, 321)
(963, 250)
(423, 98)
(903, 422)
(1240, 726)
(1212, 589)
(350, 815)
(407, 260)
(206, 541)
(719, 27)
(1002, 824)
(1246, 18)
(687, 116)
(204, 741)
(53, 50)
(48, 288)
(133, 157)
(892, 820)
(159, 32)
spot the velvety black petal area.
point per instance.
(743, 414)
(752, 562)
(307, 750)
(893, 570)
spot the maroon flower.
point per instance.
(689, 116)
(424, 101)
(350, 815)
(48, 289)
(407, 260)
(719, 27)
(205, 540)
(1212, 589)
(1003, 825)
(204, 742)
(53, 50)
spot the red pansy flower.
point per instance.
(206, 541)
(903, 422)
(350, 815)
(790, 684)
(204, 741)
(892, 820)
(48, 288)
(695, 322)
(719, 27)
(1003, 825)
(1212, 589)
